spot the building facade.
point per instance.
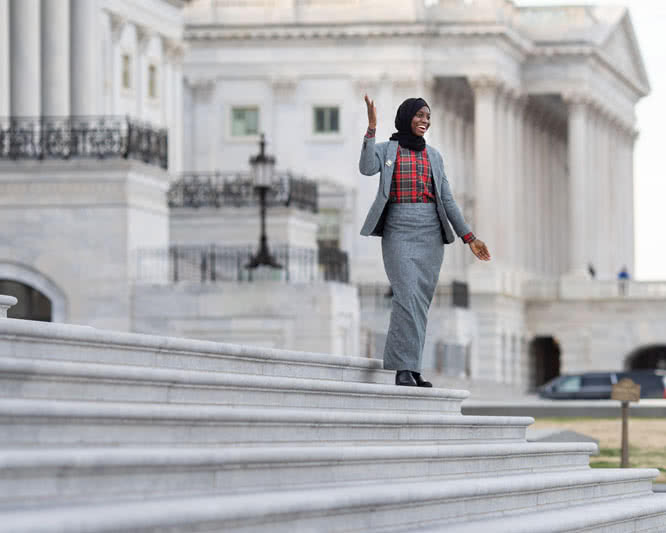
(109, 106)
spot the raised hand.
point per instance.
(372, 112)
(480, 250)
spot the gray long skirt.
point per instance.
(413, 251)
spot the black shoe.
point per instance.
(420, 381)
(404, 377)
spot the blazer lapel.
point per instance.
(437, 170)
(389, 165)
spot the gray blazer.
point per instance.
(380, 157)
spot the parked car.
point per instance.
(598, 385)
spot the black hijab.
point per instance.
(403, 123)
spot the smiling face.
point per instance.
(421, 121)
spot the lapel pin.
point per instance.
(389, 163)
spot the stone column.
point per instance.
(55, 58)
(485, 159)
(4, 59)
(591, 187)
(84, 57)
(510, 185)
(579, 131)
(117, 26)
(202, 103)
(603, 237)
(628, 200)
(501, 176)
(25, 70)
(520, 222)
(529, 191)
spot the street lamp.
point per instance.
(262, 173)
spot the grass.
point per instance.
(647, 440)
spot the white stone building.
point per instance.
(533, 110)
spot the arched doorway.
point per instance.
(32, 304)
(544, 357)
(647, 358)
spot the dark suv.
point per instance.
(598, 385)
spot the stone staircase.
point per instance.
(105, 431)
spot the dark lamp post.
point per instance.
(262, 173)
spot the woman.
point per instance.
(411, 213)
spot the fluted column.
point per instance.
(84, 56)
(55, 57)
(592, 186)
(25, 70)
(4, 58)
(511, 188)
(604, 233)
(579, 132)
(529, 191)
(628, 199)
(502, 176)
(485, 159)
(520, 222)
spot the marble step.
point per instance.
(57, 476)
(642, 514)
(30, 423)
(67, 342)
(64, 380)
(366, 508)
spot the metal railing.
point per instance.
(82, 137)
(214, 263)
(236, 189)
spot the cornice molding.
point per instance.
(352, 30)
(202, 33)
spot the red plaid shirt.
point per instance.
(412, 177)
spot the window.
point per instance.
(326, 120)
(127, 70)
(569, 384)
(152, 81)
(596, 381)
(244, 121)
(328, 231)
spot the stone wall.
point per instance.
(69, 229)
(315, 317)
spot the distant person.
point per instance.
(623, 280)
(411, 213)
(591, 270)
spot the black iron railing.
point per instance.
(214, 263)
(236, 189)
(82, 137)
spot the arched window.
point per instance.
(32, 304)
(647, 358)
(544, 357)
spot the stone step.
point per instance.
(30, 423)
(643, 514)
(58, 476)
(64, 380)
(366, 508)
(67, 342)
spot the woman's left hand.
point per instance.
(480, 250)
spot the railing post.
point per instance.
(5, 303)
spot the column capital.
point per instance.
(201, 84)
(577, 98)
(143, 36)
(118, 24)
(484, 82)
(173, 49)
